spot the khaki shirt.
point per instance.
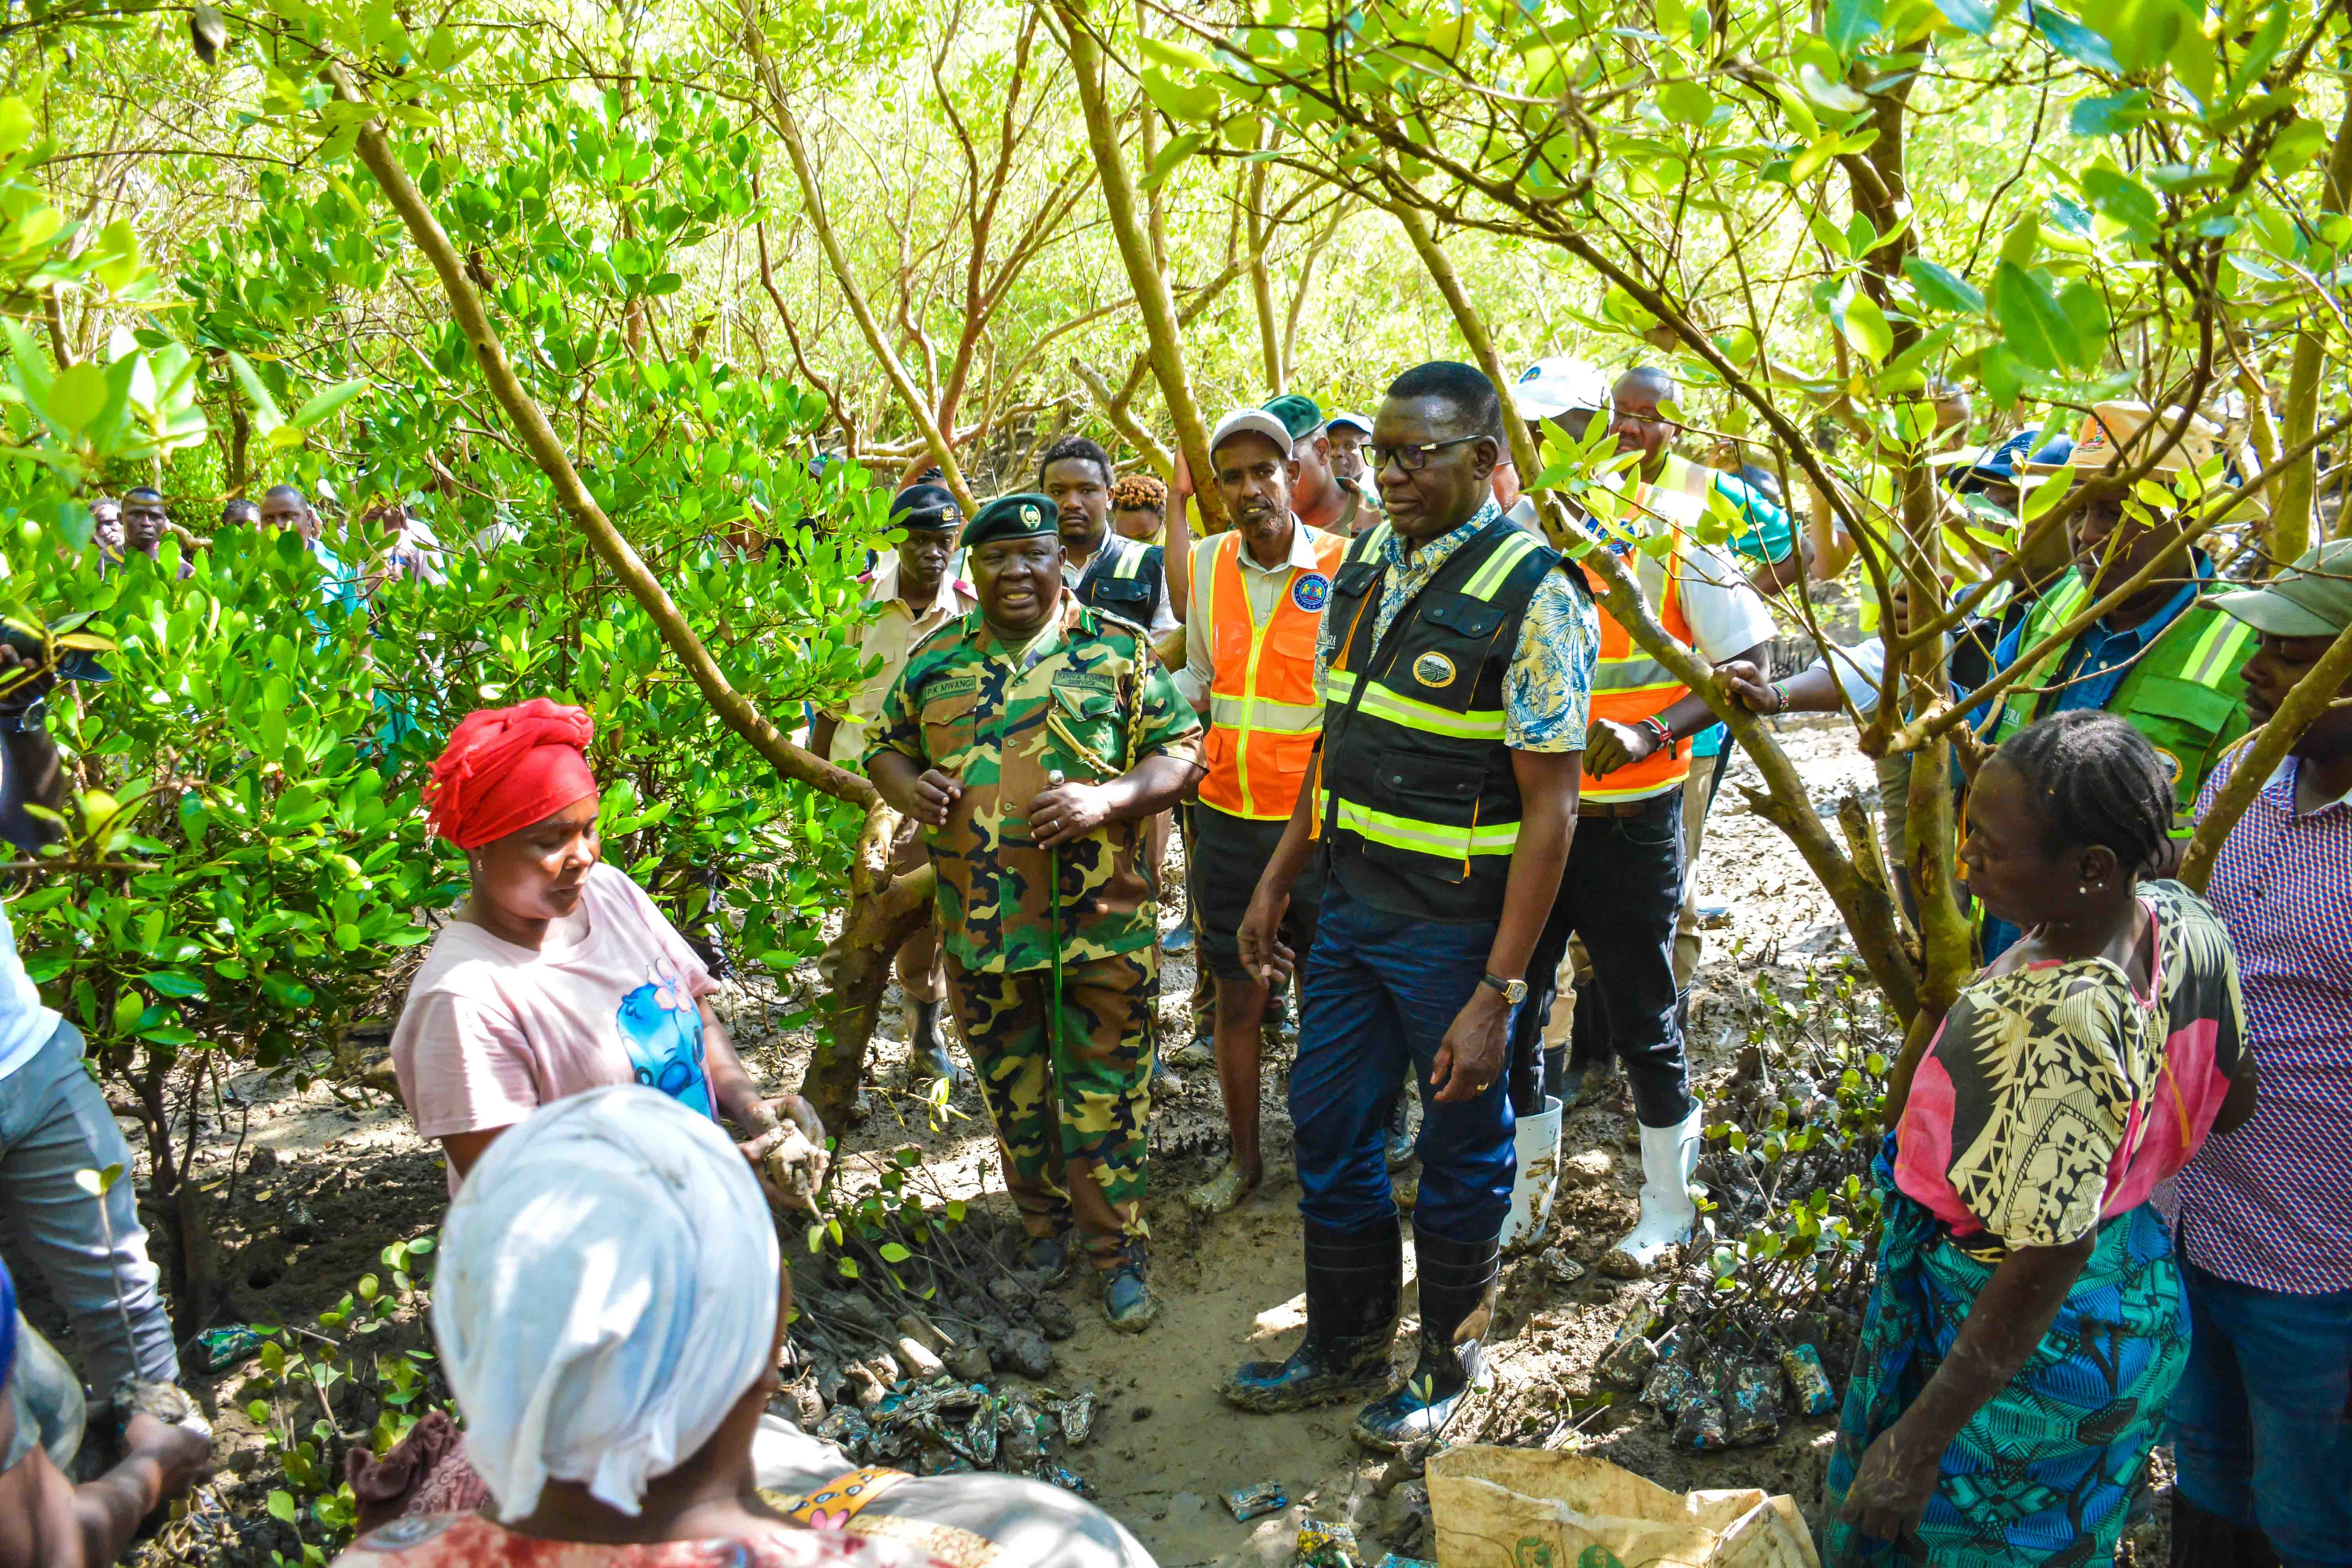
(889, 638)
(1263, 585)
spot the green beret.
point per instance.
(1022, 516)
(1299, 415)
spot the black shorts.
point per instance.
(1225, 858)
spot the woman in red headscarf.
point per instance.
(558, 974)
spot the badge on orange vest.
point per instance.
(1310, 591)
(1433, 669)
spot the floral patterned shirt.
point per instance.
(1547, 691)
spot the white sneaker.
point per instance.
(1669, 1217)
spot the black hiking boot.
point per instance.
(1353, 1281)
(1457, 1300)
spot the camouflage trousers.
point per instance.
(1072, 1125)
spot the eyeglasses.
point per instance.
(1411, 458)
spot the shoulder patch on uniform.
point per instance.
(947, 631)
(1120, 624)
(1433, 669)
(1311, 592)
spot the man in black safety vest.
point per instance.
(1455, 661)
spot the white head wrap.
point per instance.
(606, 1292)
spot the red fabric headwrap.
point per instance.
(506, 768)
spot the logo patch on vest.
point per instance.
(1311, 592)
(1433, 669)
(2171, 766)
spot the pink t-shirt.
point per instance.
(491, 1031)
(2055, 1096)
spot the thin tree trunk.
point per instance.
(1158, 305)
(833, 404)
(1155, 199)
(53, 306)
(1269, 338)
(1135, 435)
(2291, 507)
(853, 1007)
(1473, 327)
(1298, 294)
(878, 342)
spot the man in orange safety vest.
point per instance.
(1258, 595)
(1624, 886)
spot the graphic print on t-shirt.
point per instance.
(662, 1028)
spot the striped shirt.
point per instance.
(2271, 1203)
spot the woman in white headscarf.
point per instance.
(609, 1309)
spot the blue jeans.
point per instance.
(53, 1123)
(2259, 1427)
(1382, 991)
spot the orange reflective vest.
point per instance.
(1628, 685)
(1263, 711)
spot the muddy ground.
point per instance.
(314, 1184)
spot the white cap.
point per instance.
(1256, 422)
(1358, 420)
(1560, 385)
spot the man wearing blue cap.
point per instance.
(910, 593)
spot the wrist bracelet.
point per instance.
(1665, 736)
(1780, 692)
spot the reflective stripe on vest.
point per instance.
(1264, 714)
(1628, 685)
(2217, 650)
(1381, 700)
(1421, 837)
(2198, 650)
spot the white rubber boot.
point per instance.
(1538, 1140)
(1669, 1158)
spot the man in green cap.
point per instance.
(2261, 1220)
(1321, 498)
(1033, 738)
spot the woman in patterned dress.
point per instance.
(2028, 1322)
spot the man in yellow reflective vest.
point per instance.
(1456, 658)
(1623, 887)
(1258, 591)
(2164, 659)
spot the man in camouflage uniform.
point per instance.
(1033, 738)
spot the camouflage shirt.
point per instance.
(999, 720)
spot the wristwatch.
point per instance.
(33, 716)
(1514, 990)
